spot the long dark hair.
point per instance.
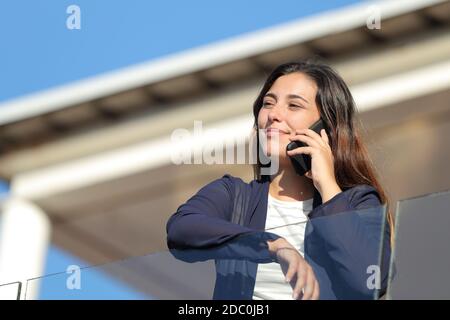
(352, 164)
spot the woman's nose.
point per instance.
(275, 114)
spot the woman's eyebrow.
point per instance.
(291, 96)
(271, 95)
(295, 96)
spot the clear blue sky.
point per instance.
(38, 52)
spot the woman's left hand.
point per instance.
(322, 161)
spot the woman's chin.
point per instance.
(282, 156)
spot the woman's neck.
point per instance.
(286, 185)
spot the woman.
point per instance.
(329, 262)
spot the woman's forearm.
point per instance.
(329, 191)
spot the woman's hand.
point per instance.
(322, 161)
(297, 271)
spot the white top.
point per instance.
(288, 220)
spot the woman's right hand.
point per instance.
(297, 271)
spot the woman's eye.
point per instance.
(266, 104)
(295, 106)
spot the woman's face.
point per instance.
(287, 106)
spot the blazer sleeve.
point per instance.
(351, 236)
(204, 222)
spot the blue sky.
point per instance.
(94, 283)
(3, 187)
(38, 52)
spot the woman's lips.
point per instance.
(273, 132)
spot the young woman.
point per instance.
(264, 252)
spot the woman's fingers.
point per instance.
(310, 284)
(313, 135)
(324, 136)
(308, 174)
(316, 293)
(291, 272)
(301, 281)
(299, 273)
(305, 150)
(304, 138)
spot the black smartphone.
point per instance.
(302, 162)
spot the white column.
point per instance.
(24, 237)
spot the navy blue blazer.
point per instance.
(344, 236)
